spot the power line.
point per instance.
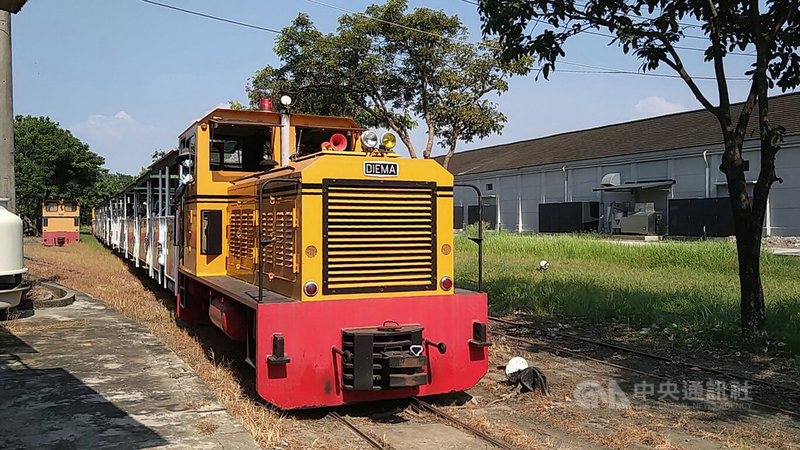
(388, 22)
(209, 16)
(679, 47)
(647, 74)
(604, 69)
(683, 24)
(599, 70)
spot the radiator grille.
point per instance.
(379, 236)
(242, 233)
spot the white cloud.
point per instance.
(124, 116)
(656, 106)
(125, 143)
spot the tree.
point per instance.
(50, 163)
(460, 112)
(380, 67)
(158, 154)
(107, 186)
(651, 30)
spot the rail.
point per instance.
(360, 433)
(556, 349)
(425, 406)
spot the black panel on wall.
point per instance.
(690, 216)
(458, 217)
(568, 217)
(489, 215)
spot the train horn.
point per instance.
(339, 142)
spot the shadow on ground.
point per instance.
(51, 408)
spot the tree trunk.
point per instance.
(748, 217)
(449, 155)
(753, 309)
(426, 113)
(407, 142)
(451, 150)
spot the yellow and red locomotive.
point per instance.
(61, 221)
(307, 239)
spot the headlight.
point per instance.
(369, 139)
(388, 140)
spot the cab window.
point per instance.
(51, 206)
(239, 147)
(69, 207)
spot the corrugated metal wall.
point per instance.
(518, 193)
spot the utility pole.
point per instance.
(7, 188)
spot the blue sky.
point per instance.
(127, 77)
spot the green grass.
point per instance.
(692, 285)
(89, 240)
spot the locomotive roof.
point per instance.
(273, 118)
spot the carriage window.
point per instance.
(239, 147)
(69, 207)
(310, 140)
(51, 206)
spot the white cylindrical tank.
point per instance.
(11, 257)
(11, 260)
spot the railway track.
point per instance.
(359, 432)
(425, 406)
(539, 343)
(654, 356)
(422, 406)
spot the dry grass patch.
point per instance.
(205, 426)
(17, 326)
(90, 268)
(507, 433)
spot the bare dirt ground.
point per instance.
(595, 405)
(604, 410)
(782, 242)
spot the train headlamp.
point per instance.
(388, 140)
(286, 100)
(369, 139)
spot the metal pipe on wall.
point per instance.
(708, 174)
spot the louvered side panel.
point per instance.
(241, 238)
(280, 230)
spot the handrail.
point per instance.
(478, 240)
(261, 242)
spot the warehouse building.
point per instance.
(652, 176)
